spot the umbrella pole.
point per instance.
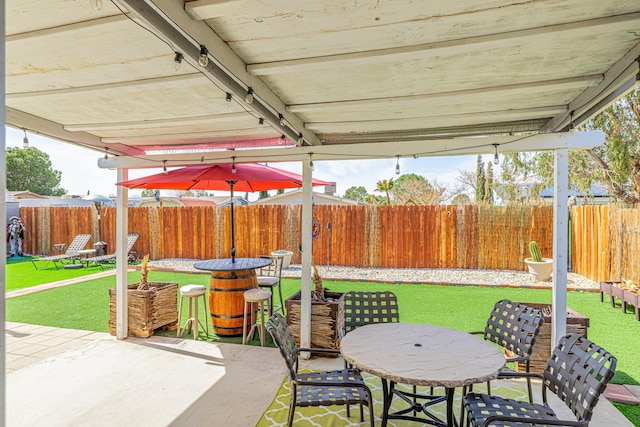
(233, 234)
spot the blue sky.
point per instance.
(81, 174)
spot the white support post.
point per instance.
(560, 244)
(122, 225)
(307, 256)
(3, 214)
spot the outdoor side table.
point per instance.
(86, 253)
(229, 281)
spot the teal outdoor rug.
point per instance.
(334, 416)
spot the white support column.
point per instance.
(122, 225)
(3, 214)
(307, 256)
(560, 244)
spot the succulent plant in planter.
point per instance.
(541, 268)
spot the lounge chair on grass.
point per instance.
(101, 260)
(78, 244)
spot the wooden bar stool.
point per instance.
(192, 293)
(251, 297)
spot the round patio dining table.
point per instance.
(421, 355)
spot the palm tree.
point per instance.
(385, 186)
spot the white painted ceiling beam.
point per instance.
(207, 9)
(461, 119)
(159, 123)
(363, 151)
(225, 134)
(407, 53)
(557, 84)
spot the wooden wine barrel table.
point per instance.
(228, 282)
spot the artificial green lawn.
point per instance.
(86, 306)
(21, 273)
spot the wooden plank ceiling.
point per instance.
(330, 73)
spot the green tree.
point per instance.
(488, 184)
(355, 193)
(374, 200)
(29, 169)
(385, 186)
(148, 193)
(461, 199)
(480, 181)
(615, 164)
(417, 189)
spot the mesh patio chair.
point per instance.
(319, 388)
(101, 260)
(78, 244)
(577, 372)
(269, 277)
(365, 308)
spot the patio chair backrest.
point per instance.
(365, 308)
(272, 270)
(131, 240)
(578, 372)
(78, 243)
(514, 326)
(285, 341)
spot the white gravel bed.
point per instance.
(421, 275)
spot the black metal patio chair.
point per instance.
(318, 388)
(577, 372)
(365, 308)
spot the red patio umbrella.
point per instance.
(243, 177)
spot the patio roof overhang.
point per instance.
(336, 79)
(389, 73)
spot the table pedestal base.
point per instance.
(418, 409)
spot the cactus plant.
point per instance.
(535, 251)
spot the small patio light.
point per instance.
(397, 165)
(311, 163)
(260, 123)
(177, 61)
(233, 165)
(227, 100)
(283, 121)
(164, 167)
(203, 60)
(300, 139)
(496, 159)
(249, 96)
(25, 140)
(281, 140)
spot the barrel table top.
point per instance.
(225, 264)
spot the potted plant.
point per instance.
(327, 315)
(541, 268)
(151, 305)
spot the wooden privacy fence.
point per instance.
(605, 240)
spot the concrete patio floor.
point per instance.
(63, 377)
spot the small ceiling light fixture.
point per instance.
(25, 140)
(203, 60)
(96, 4)
(283, 121)
(164, 167)
(260, 123)
(227, 100)
(106, 153)
(249, 96)
(311, 163)
(281, 140)
(397, 165)
(300, 139)
(496, 159)
(233, 165)
(177, 62)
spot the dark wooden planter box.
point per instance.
(576, 323)
(147, 310)
(327, 319)
(623, 295)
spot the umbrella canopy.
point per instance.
(242, 177)
(247, 177)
